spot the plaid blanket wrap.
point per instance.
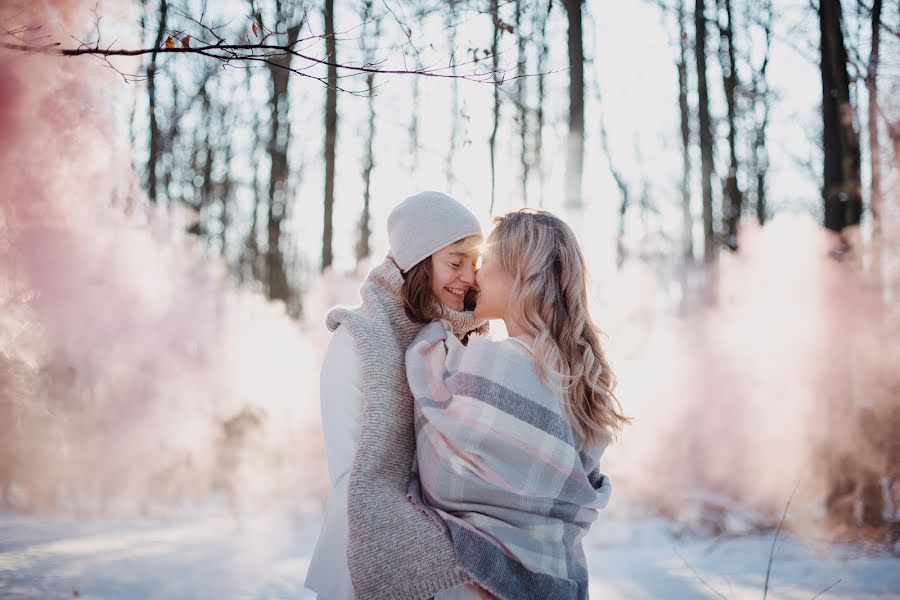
(497, 463)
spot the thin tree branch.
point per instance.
(884, 26)
(232, 52)
(826, 589)
(775, 539)
(697, 575)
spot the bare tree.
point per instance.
(367, 41)
(521, 103)
(706, 139)
(575, 144)
(415, 145)
(841, 171)
(621, 183)
(202, 158)
(492, 142)
(874, 145)
(541, 17)
(894, 134)
(732, 198)
(687, 221)
(226, 198)
(331, 119)
(155, 135)
(279, 141)
(760, 103)
(450, 25)
(249, 264)
(854, 494)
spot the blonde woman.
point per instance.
(509, 434)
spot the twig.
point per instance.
(775, 539)
(826, 589)
(405, 28)
(697, 575)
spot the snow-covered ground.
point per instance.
(210, 556)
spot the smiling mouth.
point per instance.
(458, 292)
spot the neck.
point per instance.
(515, 330)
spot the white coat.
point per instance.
(341, 398)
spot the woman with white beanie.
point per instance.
(375, 542)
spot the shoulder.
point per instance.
(341, 348)
(432, 335)
(340, 315)
(483, 346)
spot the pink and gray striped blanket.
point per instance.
(499, 466)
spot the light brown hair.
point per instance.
(419, 303)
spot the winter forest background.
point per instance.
(188, 186)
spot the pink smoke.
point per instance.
(738, 401)
(132, 375)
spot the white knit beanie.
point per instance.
(425, 223)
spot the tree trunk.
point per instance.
(854, 493)
(249, 263)
(279, 192)
(495, 61)
(454, 99)
(759, 111)
(687, 221)
(575, 143)
(362, 247)
(227, 190)
(204, 148)
(706, 139)
(330, 133)
(874, 146)
(521, 103)
(883, 415)
(415, 147)
(894, 133)
(841, 170)
(155, 134)
(543, 52)
(732, 197)
(762, 96)
(624, 192)
(167, 167)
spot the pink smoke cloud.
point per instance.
(132, 375)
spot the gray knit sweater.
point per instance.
(394, 549)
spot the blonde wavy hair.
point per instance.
(551, 291)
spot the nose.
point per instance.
(467, 275)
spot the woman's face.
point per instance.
(494, 285)
(453, 271)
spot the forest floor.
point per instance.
(208, 554)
